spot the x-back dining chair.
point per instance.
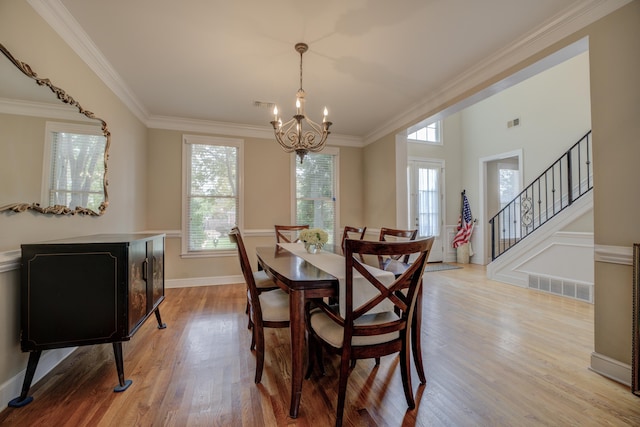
(348, 230)
(363, 335)
(398, 235)
(284, 233)
(266, 309)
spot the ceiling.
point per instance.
(371, 62)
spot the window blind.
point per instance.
(315, 192)
(77, 170)
(212, 199)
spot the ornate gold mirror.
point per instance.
(39, 158)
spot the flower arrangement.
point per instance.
(314, 238)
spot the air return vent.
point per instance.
(565, 288)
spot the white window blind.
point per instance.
(315, 181)
(212, 199)
(76, 170)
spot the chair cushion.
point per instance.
(275, 305)
(333, 333)
(263, 281)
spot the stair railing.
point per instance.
(564, 182)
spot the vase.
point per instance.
(312, 249)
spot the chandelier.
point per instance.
(301, 134)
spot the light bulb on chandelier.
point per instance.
(301, 134)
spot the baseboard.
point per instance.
(202, 281)
(611, 368)
(49, 360)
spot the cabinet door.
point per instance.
(137, 283)
(69, 295)
(155, 287)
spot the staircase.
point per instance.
(530, 244)
(565, 181)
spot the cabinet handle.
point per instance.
(145, 267)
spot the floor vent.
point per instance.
(565, 288)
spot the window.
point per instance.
(211, 196)
(425, 184)
(509, 188)
(429, 133)
(315, 191)
(73, 169)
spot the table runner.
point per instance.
(334, 264)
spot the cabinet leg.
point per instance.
(123, 384)
(159, 319)
(24, 398)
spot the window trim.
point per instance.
(335, 152)
(187, 142)
(60, 127)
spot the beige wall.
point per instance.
(267, 198)
(615, 103)
(52, 58)
(380, 183)
(16, 158)
(31, 40)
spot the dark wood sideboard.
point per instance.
(88, 290)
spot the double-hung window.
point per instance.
(212, 193)
(316, 184)
(73, 166)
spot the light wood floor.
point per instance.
(495, 355)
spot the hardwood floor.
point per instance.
(495, 355)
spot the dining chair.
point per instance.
(284, 232)
(398, 235)
(359, 231)
(266, 309)
(363, 335)
(263, 284)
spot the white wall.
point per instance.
(554, 112)
(554, 109)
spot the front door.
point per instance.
(426, 202)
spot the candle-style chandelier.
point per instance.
(301, 134)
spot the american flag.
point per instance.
(465, 224)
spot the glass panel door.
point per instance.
(426, 203)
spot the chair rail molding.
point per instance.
(9, 260)
(613, 254)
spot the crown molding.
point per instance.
(552, 31)
(63, 23)
(59, 18)
(234, 129)
(555, 29)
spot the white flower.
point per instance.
(314, 236)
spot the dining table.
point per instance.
(301, 277)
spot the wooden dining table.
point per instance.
(304, 281)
